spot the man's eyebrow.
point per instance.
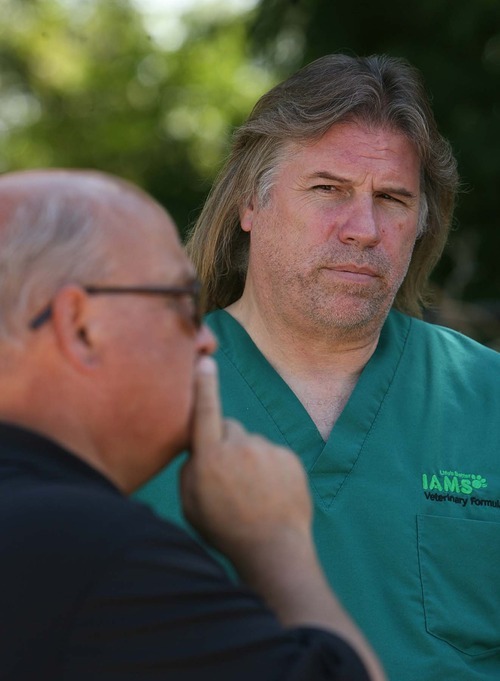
(388, 189)
(326, 175)
(399, 191)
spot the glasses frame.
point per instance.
(193, 290)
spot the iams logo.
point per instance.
(452, 481)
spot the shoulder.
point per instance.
(446, 358)
(76, 560)
(72, 527)
(59, 538)
(223, 324)
(425, 335)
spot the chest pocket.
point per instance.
(460, 574)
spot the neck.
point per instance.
(321, 366)
(39, 402)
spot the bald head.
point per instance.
(109, 376)
(97, 188)
(58, 226)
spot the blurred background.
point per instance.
(151, 90)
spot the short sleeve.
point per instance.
(164, 609)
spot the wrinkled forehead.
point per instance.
(342, 130)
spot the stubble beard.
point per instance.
(338, 308)
(346, 308)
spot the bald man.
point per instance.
(106, 376)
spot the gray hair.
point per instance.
(45, 242)
(377, 91)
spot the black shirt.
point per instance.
(95, 587)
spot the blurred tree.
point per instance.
(456, 44)
(83, 84)
(87, 83)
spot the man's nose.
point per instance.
(360, 226)
(206, 341)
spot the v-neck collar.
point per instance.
(328, 463)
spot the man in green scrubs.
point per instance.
(315, 247)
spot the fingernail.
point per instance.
(206, 365)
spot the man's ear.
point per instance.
(246, 216)
(73, 327)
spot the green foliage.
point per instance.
(83, 84)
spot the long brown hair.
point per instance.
(379, 91)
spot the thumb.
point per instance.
(208, 426)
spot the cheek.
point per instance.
(178, 403)
(177, 376)
(159, 368)
(168, 399)
(280, 240)
(400, 259)
(407, 248)
(400, 242)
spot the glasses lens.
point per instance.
(188, 305)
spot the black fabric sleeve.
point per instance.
(164, 610)
(94, 587)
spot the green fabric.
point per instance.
(406, 491)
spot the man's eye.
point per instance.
(325, 187)
(388, 197)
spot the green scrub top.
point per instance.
(406, 490)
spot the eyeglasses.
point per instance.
(192, 290)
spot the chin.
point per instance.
(163, 459)
(182, 442)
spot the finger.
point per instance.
(208, 425)
(232, 429)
